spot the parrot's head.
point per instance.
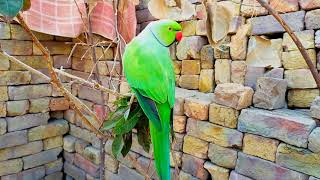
(166, 31)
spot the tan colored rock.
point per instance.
(177, 67)
(283, 6)
(238, 50)
(17, 108)
(233, 95)
(10, 166)
(238, 72)
(206, 80)
(300, 78)
(189, 81)
(235, 23)
(3, 109)
(190, 47)
(196, 147)
(232, 7)
(256, 10)
(259, 146)
(302, 98)
(206, 57)
(188, 28)
(190, 67)
(217, 172)
(306, 37)
(294, 59)
(223, 51)
(201, 29)
(222, 71)
(178, 158)
(197, 106)
(179, 124)
(224, 116)
(264, 52)
(53, 142)
(4, 93)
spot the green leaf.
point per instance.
(26, 5)
(113, 118)
(10, 8)
(117, 146)
(127, 138)
(122, 102)
(124, 126)
(143, 133)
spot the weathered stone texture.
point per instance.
(290, 126)
(13, 139)
(41, 158)
(311, 19)
(190, 67)
(198, 107)
(86, 165)
(195, 147)
(74, 171)
(21, 150)
(190, 47)
(53, 142)
(179, 123)
(217, 172)
(315, 108)
(294, 59)
(222, 156)
(306, 37)
(55, 128)
(314, 140)
(238, 72)
(233, 95)
(54, 166)
(189, 81)
(302, 98)
(10, 166)
(3, 126)
(249, 11)
(224, 116)
(27, 121)
(235, 176)
(206, 57)
(222, 71)
(29, 92)
(309, 4)
(300, 78)
(194, 166)
(206, 80)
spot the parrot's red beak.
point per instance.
(179, 36)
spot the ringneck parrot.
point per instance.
(149, 71)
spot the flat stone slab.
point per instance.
(257, 168)
(290, 126)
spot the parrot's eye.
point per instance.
(170, 28)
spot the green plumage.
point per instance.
(149, 71)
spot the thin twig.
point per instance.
(295, 39)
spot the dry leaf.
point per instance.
(160, 10)
(263, 52)
(218, 20)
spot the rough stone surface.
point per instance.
(315, 108)
(27, 121)
(195, 147)
(238, 72)
(233, 95)
(283, 6)
(69, 143)
(295, 20)
(252, 74)
(300, 78)
(235, 176)
(85, 135)
(224, 116)
(222, 71)
(206, 80)
(14, 77)
(126, 173)
(223, 50)
(41, 158)
(294, 59)
(92, 154)
(53, 142)
(309, 4)
(194, 166)
(190, 47)
(314, 140)
(3, 126)
(190, 67)
(39, 105)
(270, 93)
(179, 123)
(188, 28)
(298, 159)
(13, 139)
(217, 172)
(238, 50)
(260, 146)
(55, 128)
(189, 81)
(213, 133)
(206, 57)
(54, 166)
(249, 11)
(10, 167)
(222, 156)
(290, 126)
(86, 165)
(3, 109)
(198, 107)
(74, 171)
(306, 37)
(311, 19)
(29, 92)
(17, 108)
(21, 150)
(257, 168)
(302, 98)
(4, 93)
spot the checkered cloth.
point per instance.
(63, 18)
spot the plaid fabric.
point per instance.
(62, 18)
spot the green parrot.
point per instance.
(149, 71)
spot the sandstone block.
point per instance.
(294, 59)
(310, 19)
(86, 165)
(194, 166)
(37, 62)
(54, 47)
(256, 168)
(54, 176)
(306, 37)
(190, 47)
(68, 157)
(5, 31)
(189, 81)
(215, 134)
(298, 159)
(4, 63)
(10, 166)
(270, 93)
(190, 67)
(17, 108)
(59, 104)
(235, 24)
(201, 29)
(92, 154)
(233, 95)
(224, 116)
(302, 98)
(315, 108)
(223, 51)
(179, 142)
(216, 171)
(188, 28)
(252, 74)
(177, 67)
(180, 96)
(206, 57)
(92, 95)
(284, 125)
(74, 171)
(29, 91)
(55, 128)
(69, 143)
(14, 77)
(260, 146)
(179, 123)
(4, 93)
(53, 142)
(3, 126)
(13, 139)
(40, 105)
(186, 176)
(195, 147)
(85, 135)
(283, 6)
(309, 4)
(249, 11)
(15, 47)
(3, 109)
(238, 50)
(27, 121)
(238, 72)
(222, 156)
(295, 20)
(314, 140)
(300, 78)
(197, 107)
(127, 173)
(206, 80)
(21, 150)
(222, 71)
(34, 173)
(236, 176)
(41, 158)
(111, 164)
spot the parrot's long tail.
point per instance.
(161, 142)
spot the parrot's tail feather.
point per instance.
(161, 143)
